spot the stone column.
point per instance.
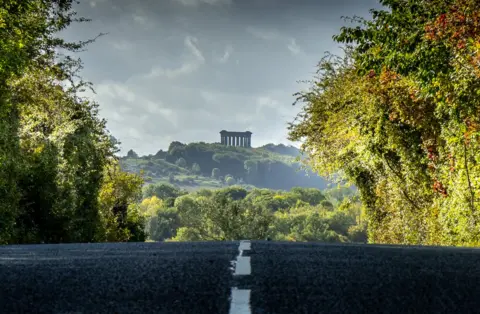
(244, 141)
(229, 140)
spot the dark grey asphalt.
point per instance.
(116, 278)
(196, 278)
(319, 278)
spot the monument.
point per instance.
(240, 139)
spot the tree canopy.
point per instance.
(398, 116)
(57, 178)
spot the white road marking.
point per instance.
(240, 301)
(244, 246)
(243, 266)
(240, 298)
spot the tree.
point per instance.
(252, 170)
(396, 116)
(196, 168)
(150, 206)
(121, 220)
(327, 204)
(162, 191)
(234, 193)
(221, 219)
(310, 195)
(28, 44)
(181, 162)
(215, 173)
(132, 154)
(230, 181)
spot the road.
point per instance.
(238, 278)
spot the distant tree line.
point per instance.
(301, 214)
(271, 166)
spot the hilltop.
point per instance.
(203, 165)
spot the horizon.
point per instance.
(202, 142)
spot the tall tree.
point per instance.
(397, 117)
(54, 149)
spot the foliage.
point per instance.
(266, 166)
(398, 116)
(118, 197)
(230, 180)
(132, 154)
(54, 149)
(235, 213)
(216, 173)
(196, 168)
(181, 162)
(162, 191)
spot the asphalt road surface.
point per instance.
(238, 278)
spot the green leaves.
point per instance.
(406, 114)
(54, 149)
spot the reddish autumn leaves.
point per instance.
(459, 28)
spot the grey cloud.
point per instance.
(185, 69)
(199, 2)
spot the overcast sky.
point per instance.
(183, 70)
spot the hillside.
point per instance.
(202, 165)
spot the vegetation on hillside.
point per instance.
(302, 214)
(399, 117)
(202, 165)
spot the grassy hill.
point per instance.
(201, 165)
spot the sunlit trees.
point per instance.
(398, 116)
(54, 149)
(234, 213)
(118, 198)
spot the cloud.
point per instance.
(191, 65)
(199, 2)
(140, 19)
(135, 117)
(191, 44)
(121, 45)
(264, 34)
(226, 54)
(275, 35)
(186, 69)
(293, 47)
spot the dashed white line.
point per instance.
(240, 298)
(243, 266)
(240, 301)
(244, 246)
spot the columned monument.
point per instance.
(241, 139)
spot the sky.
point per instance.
(183, 70)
